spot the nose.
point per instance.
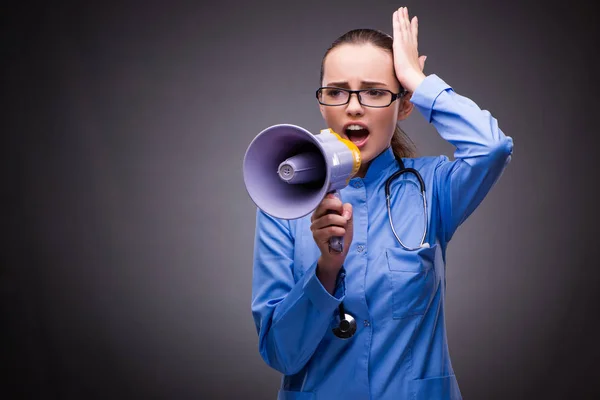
(354, 107)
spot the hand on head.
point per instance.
(407, 62)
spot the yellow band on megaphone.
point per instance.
(355, 153)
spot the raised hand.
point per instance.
(407, 63)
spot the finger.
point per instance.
(422, 62)
(409, 31)
(333, 218)
(409, 24)
(347, 213)
(327, 204)
(395, 25)
(329, 220)
(347, 210)
(414, 26)
(398, 22)
(350, 222)
(323, 235)
(403, 15)
(403, 25)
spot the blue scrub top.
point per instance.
(400, 350)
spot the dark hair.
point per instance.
(401, 143)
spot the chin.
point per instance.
(366, 156)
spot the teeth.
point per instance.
(354, 127)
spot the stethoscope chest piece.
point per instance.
(346, 327)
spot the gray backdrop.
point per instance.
(127, 241)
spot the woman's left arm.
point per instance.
(481, 155)
(482, 149)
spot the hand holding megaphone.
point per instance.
(288, 171)
(332, 219)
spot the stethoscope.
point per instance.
(346, 327)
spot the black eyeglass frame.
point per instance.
(395, 96)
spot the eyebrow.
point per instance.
(363, 84)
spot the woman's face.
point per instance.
(362, 66)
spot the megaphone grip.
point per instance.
(336, 243)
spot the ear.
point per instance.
(406, 107)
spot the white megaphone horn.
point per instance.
(288, 170)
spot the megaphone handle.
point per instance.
(336, 243)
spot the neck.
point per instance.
(362, 171)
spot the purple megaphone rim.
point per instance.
(268, 192)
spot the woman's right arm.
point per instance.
(291, 317)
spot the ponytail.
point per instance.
(401, 144)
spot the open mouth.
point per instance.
(357, 134)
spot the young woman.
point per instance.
(390, 281)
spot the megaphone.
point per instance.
(288, 170)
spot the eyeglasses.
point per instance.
(333, 96)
